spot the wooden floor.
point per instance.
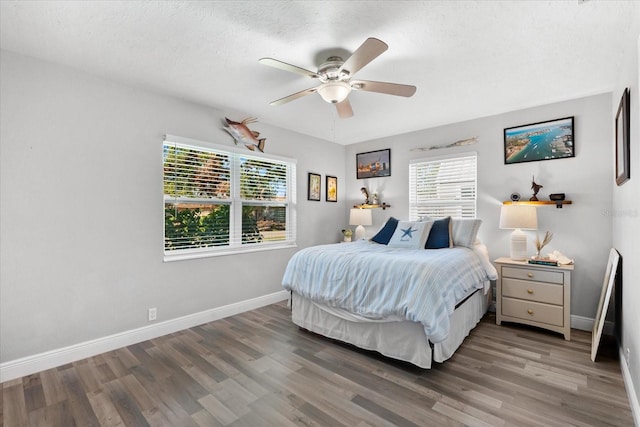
(258, 369)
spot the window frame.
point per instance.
(462, 203)
(235, 201)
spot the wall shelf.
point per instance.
(558, 204)
(367, 206)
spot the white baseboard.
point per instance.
(631, 391)
(586, 324)
(50, 359)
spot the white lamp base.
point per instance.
(359, 232)
(518, 245)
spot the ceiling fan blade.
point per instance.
(288, 67)
(383, 87)
(294, 96)
(367, 52)
(344, 109)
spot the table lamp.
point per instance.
(360, 217)
(518, 218)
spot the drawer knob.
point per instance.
(530, 311)
(529, 274)
(529, 291)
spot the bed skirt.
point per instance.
(402, 340)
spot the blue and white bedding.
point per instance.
(379, 282)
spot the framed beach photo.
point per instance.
(313, 189)
(331, 189)
(553, 139)
(373, 164)
(623, 143)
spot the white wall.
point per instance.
(626, 212)
(581, 230)
(81, 217)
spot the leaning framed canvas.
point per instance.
(373, 164)
(623, 161)
(331, 189)
(603, 305)
(313, 190)
(553, 139)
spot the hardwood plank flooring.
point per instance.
(259, 369)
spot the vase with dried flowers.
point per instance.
(541, 244)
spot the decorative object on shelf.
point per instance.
(373, 164)
(459, 143)
(603, 305)
(535, 187)
(623, 120)
(515, 197)
(539, 141)
(347, 233)
(313, 187)
(375, 200)
(360, 217)
(558, 198)
(365, 192)
(518, 218)
(541, 244)
(331, 189)
(240, 132)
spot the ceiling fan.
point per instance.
(335, 76)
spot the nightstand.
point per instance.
(536, 295)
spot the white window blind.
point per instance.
(443, 187)
(219, 200)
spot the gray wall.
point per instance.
(626, 210)
(81, 212)
(581, 230)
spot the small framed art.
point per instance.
(331, 188)
(373, 164)
(553, 139)
(313, 190)
(623, 161)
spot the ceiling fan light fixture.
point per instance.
(334, 92)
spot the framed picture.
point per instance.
(313, 191)
(373, 164)
(548, 140)
(331, 189)
(623, 161)
(603, 305)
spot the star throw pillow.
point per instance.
(410, 234)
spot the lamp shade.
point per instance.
(521, 217)
(360, 217)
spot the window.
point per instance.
(219, 200)
(441, 187)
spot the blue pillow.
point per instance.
(440, 234)
(384, 235)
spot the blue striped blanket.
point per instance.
(378, 282)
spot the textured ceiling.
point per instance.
(468, 59)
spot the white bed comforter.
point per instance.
(378, 282)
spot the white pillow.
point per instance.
(464, 231)
(410, 234)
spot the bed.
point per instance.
(405, 302)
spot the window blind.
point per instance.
(217, 200)
(443, 187)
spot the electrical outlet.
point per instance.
(153, 313)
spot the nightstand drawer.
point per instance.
(533, 311)
(533, 291)
(533, 274)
